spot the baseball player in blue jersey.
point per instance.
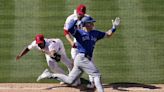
(78, 14)
(86, 40)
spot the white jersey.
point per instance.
(50, 45)
(71, 18)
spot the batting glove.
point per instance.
(116, 22)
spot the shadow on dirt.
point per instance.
(120, 86)
(82, 87)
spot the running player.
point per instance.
(78, 14)
(86, 40)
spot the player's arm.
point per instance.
(23, 52)
(67, 25)
(71, 28)
(26, 50)
(115, 23)
(69, 38)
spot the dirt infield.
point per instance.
(45, 87)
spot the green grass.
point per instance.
(133, 54)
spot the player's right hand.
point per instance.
(116, 22)
(18, 57)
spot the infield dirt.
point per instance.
(50, 87)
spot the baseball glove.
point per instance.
(57, 57)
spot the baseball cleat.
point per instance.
(62, 83)
(76, 83)
(45, 74)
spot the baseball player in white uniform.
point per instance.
(54, 51)
(86, 41)
(78, 14)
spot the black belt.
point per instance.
(87, 56)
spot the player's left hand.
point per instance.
(116, 22)
(57, 57)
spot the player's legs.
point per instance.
(64, 59)
(71, 78)
(98, 84)
(69, 65)
(74, 52)
(91, 78)
(88, 67)
(95, 77)
(53, 65)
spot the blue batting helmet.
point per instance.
(87, 19)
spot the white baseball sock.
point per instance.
(98, 84)
(91, 79)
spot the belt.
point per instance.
(87, 56)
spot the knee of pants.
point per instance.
(51, 64)
(71, 80)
